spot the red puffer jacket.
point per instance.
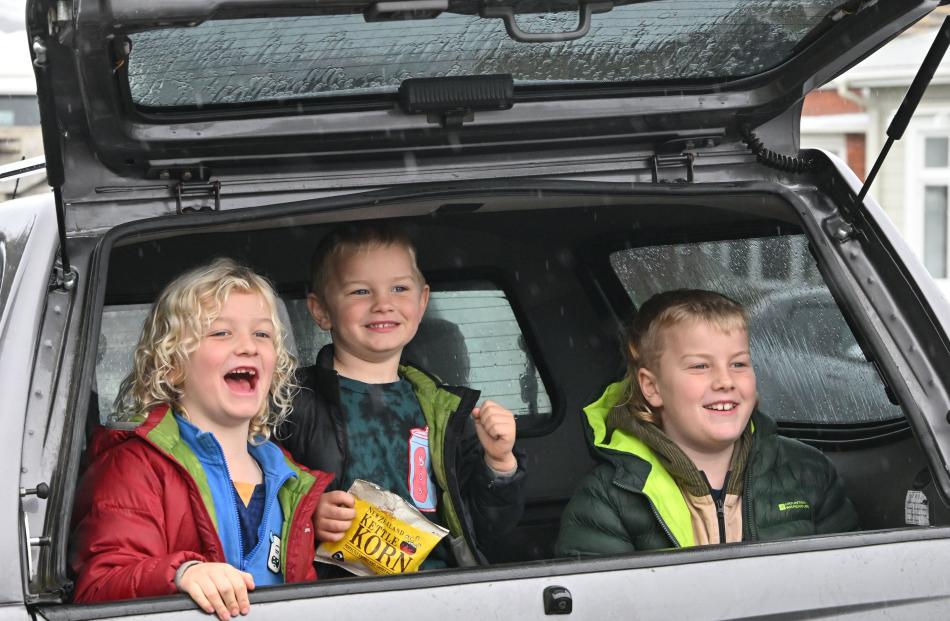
(139, 515)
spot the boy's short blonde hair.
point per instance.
(173, 330)
(643, 344)
(353, 238)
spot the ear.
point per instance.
(424, 299)
(319, 312)
(649, 389)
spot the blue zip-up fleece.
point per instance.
(259, 562)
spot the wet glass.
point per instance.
(809, 367)
(273, 59)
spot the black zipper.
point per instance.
(720, 510)
(720, 503)
(747, 521)
(656, 514)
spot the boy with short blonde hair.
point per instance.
(688, 460)
(365, 414)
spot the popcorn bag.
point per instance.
(388, 535)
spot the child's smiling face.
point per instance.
(373, 304)
(227, 378)
(703, 386)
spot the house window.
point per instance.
(19, 110)
(934, 187)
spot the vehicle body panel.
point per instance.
(28, 230)
(848, 582)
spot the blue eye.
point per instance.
(219, 333)
(360, 292)
(400, 288)
(262, 334)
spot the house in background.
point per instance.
(849, 116)
(20, 134)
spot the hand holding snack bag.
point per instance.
(387, 536)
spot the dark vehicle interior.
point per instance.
(530, 289)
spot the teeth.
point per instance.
(721, 407)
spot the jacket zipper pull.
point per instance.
(719, 502)
(720, 508)
(721, 516)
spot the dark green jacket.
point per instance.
(630, 502)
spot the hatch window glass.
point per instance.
(279, 58)
(809, 367)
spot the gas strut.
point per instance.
(914, 94)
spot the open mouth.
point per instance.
(722, 406)
(242, 379)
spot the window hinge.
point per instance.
(199, 190)
(680, 160)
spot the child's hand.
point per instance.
(495, 426)
(218, 588)
(334, 515)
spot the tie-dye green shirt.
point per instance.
(385, 428)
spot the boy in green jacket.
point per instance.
(687, 458)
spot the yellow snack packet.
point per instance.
(388, 535)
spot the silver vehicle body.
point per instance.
(49, 326)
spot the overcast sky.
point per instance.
(11, 15)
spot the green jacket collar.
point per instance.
(638, 468)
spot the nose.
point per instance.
(382, 301)
(722, 378)
(246, 344)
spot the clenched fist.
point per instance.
(495, 426)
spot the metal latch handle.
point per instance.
(507, 14)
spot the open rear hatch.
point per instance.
(139, 97)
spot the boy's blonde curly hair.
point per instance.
(644, 336)
(173, 330)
